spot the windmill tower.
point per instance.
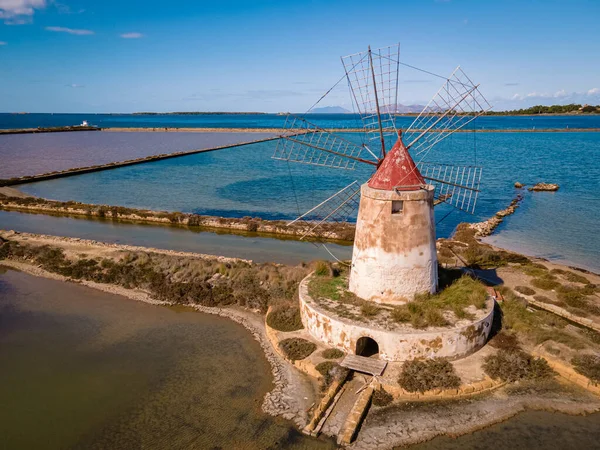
(394, 254)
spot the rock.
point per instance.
(519, 185)
(545, 187)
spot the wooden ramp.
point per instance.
(371, 366)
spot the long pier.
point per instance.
(50, 129)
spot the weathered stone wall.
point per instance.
(394, 255)
(394, 345)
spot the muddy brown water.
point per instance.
(86, 369)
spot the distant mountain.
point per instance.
(330, 110)
(400, 109)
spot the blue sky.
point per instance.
(226, 55)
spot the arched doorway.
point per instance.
(367, 346)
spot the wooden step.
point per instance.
(371, 366)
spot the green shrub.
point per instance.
(381, 397)
(421, 376)
(525, 290)
(512, 366)
(297, 348)
(285, 318)
(332, 353)
(588, 366)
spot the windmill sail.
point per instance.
(456, 104)
(373, 80)
(455, 185)
(340, 207)
(306, 143)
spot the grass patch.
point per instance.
(297, 348)
(427, 310)
(588, 366)
(575, 278)
(421, 376)
(334, 288)
(323, 269)
(513, 366)
(537, 326)
(543, 298)
(381, 397)
(525, 290)
(285, 318)
(369, 309)
(332, 353)
(545, 283)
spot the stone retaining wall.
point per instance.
(588, 323)
(394, 345)
(568, 372)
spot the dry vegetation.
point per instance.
(175, 279)
(589, 366)
(421, 376)
(382, 397)
(332, 353)
(285, 318)
(297, 348)
(514, 364)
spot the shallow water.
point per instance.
(34, 154)
(86, 369)
(259, 249)
(529, 430)
(245, 181)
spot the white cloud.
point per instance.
(131, 35)
(75, 86)
(69, 30)
(3, 43)
(16, 12)
(561, 93)
(593, 91)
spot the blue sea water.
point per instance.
(245, 181)
(9, 121)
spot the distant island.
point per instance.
(572, 108)
(330, 110)
(195, 113)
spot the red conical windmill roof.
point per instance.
(398, 170)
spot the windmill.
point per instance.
(394, 254)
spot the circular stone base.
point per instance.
(394, 345)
